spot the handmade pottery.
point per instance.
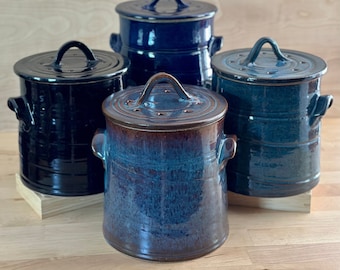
(164, 152)
(275, 111)
(58, 111)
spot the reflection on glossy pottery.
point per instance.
(58, 111)
(275, 110)
(164, 152)
(176, 38)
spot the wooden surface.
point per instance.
(298, 203)
(258, 239)
(29, 27)
(47, 206)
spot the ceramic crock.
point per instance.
(167, 36)
(275, 111)
(164, 151)
(59, 110)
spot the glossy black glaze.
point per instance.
(59, 110)
(55, 154)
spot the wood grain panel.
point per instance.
(28, 27)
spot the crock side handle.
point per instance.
(23, 112)
(116, 42)
(226, 150)
(215, 44)
(98, 145)
(321, 105)
(254, 52)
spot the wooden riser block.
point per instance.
(297, 203)
(47, 205)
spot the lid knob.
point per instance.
(152, 5)
(91, 59)
(281, 59)
(158, 78)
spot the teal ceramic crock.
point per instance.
(275, 108)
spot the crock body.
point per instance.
(55, 152)
(165, 198)
(278, 130)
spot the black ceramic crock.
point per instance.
(275, 111)
(58, 111)
(167, 36)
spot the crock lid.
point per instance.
(166, 10)
(163, 104)
(71, 66)
(268, 66)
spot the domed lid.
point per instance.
(265, 66)
(164, 105)
(166, 10)
(72, 66)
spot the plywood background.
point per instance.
(28, 27)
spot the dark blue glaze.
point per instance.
(275, 110)
(180, 47)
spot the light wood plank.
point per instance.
(47, 205)
(298, 203)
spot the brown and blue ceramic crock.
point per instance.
(58, 111)
(275, 111)
(167, 36)
(165, 151)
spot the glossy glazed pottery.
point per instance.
(58, 111)
(167, 36)
(275, 111)
(164, 151)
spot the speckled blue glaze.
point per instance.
(165, 192)
(164, 153)
(181, 47)
(275, 110)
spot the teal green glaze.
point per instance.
(276, 118)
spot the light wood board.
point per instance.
(258, 238)
(297, 203)
(48, 205)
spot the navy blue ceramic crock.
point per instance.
(164, 151)
(167, 36)
(59, 110)
(275, 111)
